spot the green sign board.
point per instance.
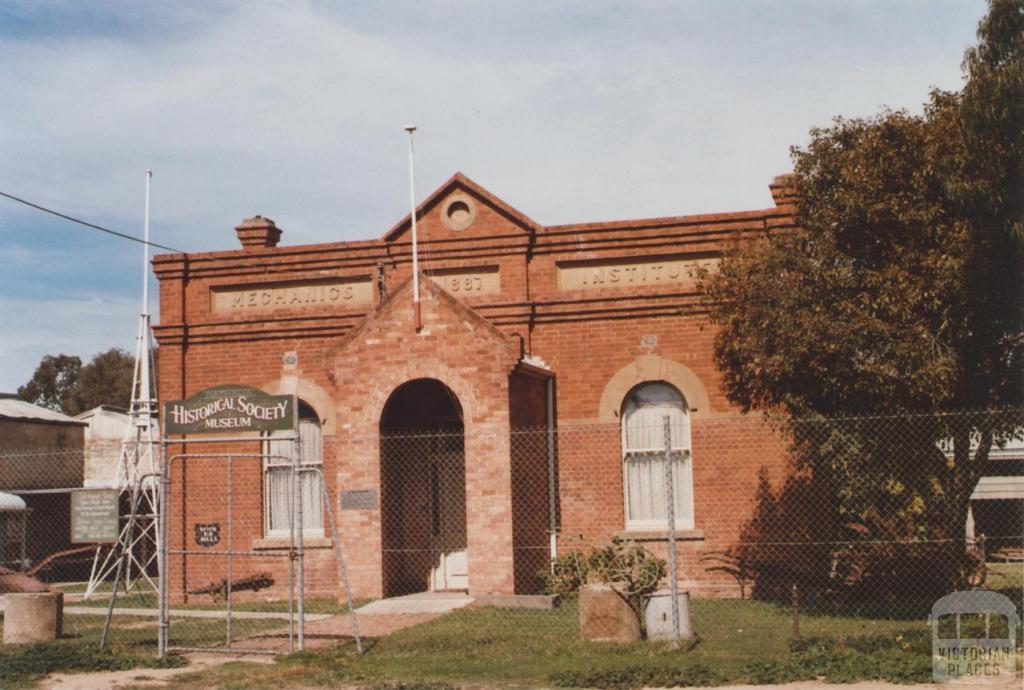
(94, 516)
(226, 409)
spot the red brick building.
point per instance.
(586, 335)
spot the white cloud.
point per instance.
(285, 110)
(570, 112)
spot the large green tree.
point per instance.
(900, 292)
(52, 381)
(105, 380)
(62, 383)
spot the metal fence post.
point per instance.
(297, 528)
(230, 550)
(161, 549)
(340, 558)
(670, 510)
(120, 565)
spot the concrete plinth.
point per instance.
(34, 617)
(605, 616)
(658, 616)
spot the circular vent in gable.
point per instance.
(458, 212)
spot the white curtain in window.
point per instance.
(279, 500)
(643, 444)
(312, 454)
(278, 477)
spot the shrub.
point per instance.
(632, 569)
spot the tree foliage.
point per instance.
(51, 384)
(105, 380)
(901, 289)
(62, 383)
(900, 292)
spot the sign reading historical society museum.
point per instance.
(229, 408)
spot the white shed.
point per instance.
(107, 428)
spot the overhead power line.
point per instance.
(88, 224)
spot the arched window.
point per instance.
(277, 491)
(645, 461)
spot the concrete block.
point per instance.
(33, 617)
(606, 616)
(658, 616)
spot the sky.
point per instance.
(569, 111)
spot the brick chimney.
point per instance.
(257, 232)
(783, 189)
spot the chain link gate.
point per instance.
(232, 525)
(219, 551)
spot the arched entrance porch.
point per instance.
(423, 490)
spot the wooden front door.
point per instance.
(447, 467)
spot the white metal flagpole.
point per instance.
(145, 248)
(415, 249)
(145, 384)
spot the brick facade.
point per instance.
(509, 307)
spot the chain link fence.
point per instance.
(834, 528)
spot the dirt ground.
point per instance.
(141, 677)
(155, 678)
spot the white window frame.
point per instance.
(280, 458)
(681, 449)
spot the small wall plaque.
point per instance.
(208, 535)
(359, 500)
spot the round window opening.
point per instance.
(459, 214)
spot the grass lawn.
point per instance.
(147, 600)
(1005, 576)
(739, 641)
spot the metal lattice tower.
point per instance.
(137, 475)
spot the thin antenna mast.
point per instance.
(417, 321)
(138, 544)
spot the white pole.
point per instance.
(145, 249)
(552, 505)
(143, 353)
(670, 510)
(415, 249)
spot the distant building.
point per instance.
(41, 460)
(55, 440)
(996, 511)
(107, 428)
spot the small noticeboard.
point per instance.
(94, 518)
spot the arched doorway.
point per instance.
(423, 490)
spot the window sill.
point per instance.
(279, 543)
(662, 535)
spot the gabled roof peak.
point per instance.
(461, 180)
(440, 299)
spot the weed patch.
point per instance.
(21, 665)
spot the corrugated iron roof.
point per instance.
(19, 409)
(999, 488)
